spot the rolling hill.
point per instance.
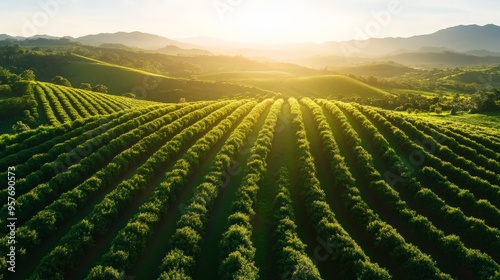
(322, 86)
(381, 70)
(246, 169)
(267, 79)
(248, 188)
(144, 85)
(133, 39)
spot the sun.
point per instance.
(270, 23)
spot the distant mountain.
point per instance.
(43, 36)
(441, 59)
(133, 39)
(459, 45)
(482, 53)
(174, 50)
(5, 37)
(459, 38)
(378, 69)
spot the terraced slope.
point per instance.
(59, 104)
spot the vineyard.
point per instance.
(115, 188)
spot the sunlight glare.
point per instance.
(272, 23)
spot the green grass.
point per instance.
(487, 120)
(319, 86)
(284, 152)
(244, 75)
(381, 70)
(121, 79)
(118, 79)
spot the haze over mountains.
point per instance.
(459, 45)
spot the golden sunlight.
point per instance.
(274, 23)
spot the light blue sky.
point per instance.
(244, 20)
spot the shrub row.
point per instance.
(423, 156)
(472, 147)
(133, 241)
(409, 259)
(480, 264)
(76, 104)
(344, 251)
(82, 97)
(293, 261)
(46, 221)
(73, 114)
(32, 159)
(47, 108)
(236, 249)
(193, 221)
(72, 167)
(464, 199)
(431, 177)
(45, 138)
(473, 134)
(81, 235)
(94, 100)
(98, 100)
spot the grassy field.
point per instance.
(314, 86)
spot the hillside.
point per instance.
(49, 104)
(460, 38)
(247, 187)
(442, 59)
(144, 85)
(133, 39)
(323, 86)
(381, 70)
(222, 76)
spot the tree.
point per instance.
(485, 100)
(5, 75)
(86, 86)
(236, 266)
(28, 75)
(28, 117)
(20, 127)
(101, 272)
(438, 109)
(60, 80)
(100, 88)
(129, 95)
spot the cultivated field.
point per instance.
(280, 188)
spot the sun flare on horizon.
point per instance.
(280, 23)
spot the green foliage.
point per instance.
(100, 88)
(101, 273)
(85, 86)
(237, 266)
(101, 164)
(27, 75)
(20, 127)
(59, 80)
(485, 100)
(7, 77)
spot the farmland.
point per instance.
(275, 187)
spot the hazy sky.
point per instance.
(245, 20)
